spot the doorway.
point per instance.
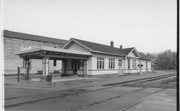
(120, 70)
(75, 66)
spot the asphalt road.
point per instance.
(87, 95)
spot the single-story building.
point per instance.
(79, 57)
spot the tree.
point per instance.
(166, 60)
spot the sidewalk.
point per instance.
(162, 101)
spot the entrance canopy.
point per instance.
(52, 53)
(49, 53)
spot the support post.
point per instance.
(85, 67)
(45, 67)
(28, 71)
(18, 74)
(27, 62)
(63, 67)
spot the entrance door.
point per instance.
(120, 67)
(75, 65)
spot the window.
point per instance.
(100, 63)
(54, 62)
(128, 64)
(146, 64)
(120, 62)
(134, 64)
(111, 63)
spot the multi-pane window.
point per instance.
(111, 63)
(120, 62)
(134, 64)
(100, 63)
(128, 64)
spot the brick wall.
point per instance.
(12, 61)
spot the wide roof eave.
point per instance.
(69, 51)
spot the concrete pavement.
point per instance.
(162, 101)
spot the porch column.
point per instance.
(85, 67)
(64, 66)
(45, 64)
(27, 62)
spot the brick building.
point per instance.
(15, 42)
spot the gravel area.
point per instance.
(167, 83)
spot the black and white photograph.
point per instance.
(89, 55)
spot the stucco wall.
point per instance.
(77, 47)
(131, 54)
(131, 70)
(89, 65)
(92, 69)
(144, 65)
(92, 62)
(101, 72)
(68, 67)
(58, 66)
(149, 66)
(144, 68)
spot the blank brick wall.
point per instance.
(12, 61)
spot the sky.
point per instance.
(148, 25)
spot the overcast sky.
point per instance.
(148, 25)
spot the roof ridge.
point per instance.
(96, 43)
(33, 35)
(129, 48)
(101, 48)
(26, 36)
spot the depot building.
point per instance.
(46, 55)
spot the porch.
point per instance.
(73, 62)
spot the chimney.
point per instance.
(112, 44)
(121, 47)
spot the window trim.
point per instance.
(111, 63)
(134, 64)
(120, 62)
(129, 64)
(100, 62)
